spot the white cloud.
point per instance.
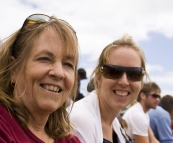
(109, 18)
(156, 68)
(165, 92)
(162, 77)
(165, 79)
(98, 22)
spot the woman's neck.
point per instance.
(107, 113)
(37, 126)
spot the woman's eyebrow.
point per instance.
(71, 58)
(46, 53)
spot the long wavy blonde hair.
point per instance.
(19, 46)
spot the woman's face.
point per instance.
(47, 80)
(116, 94)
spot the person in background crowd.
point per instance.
(0, 42)
(38, 68)
(118, 78)
(137, 117)
(81, 76)
(160, 120)
(90, 85)
(172, 125)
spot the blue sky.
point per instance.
(99, 22)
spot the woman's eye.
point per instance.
(69, 65)
(44, 59)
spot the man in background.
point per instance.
(137, 117)
(160, 120)
(81, 76)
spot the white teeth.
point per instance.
(55, 88)
(121, 93)
(51, 88)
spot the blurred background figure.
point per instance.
(90, 86)
(137, 117)
(81, 76)
(160, 120)
(0, 42)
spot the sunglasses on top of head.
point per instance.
(39, 19)
(154, 95)
(115, 72)
(42, 18)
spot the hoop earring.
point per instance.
(12, 83)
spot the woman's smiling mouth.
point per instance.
(51, 88)
(121, 93)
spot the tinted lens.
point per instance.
(111, 72)
(42, 18)
(36, 18)
(115, 72)
(156, 96)
(39, 17)
(134, 73)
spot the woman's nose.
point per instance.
(123, 80)
(57, 71)
(158, 99)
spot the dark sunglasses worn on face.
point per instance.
(116, 72)
(42, 18)
(154, 95)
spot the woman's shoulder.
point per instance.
(85, 108)
(69, 139)
(85, 118)
(3, 110)
(90, 101)
(5, 116)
